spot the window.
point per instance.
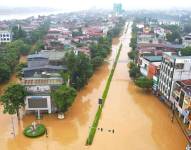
(181, 99)
(179, 66)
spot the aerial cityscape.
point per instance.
(95, 75)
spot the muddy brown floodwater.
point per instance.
(140, 121)
(67, 134)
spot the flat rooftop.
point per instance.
(52, 54)
(153, 58)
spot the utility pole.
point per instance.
(13, 127)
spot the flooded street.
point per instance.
(70, 133)
(140, 120)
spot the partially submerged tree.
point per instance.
(19, 68)
(13, 99)
(186, 51)
(144, 82)
(5, 72)
(134, 71)
(64, 97)
(80, 69)
(132, 55)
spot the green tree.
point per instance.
(19, 68)
(80, 69)
(186, 51)
(132, 55)
(19, 46)
(5, 72)
(39, 45)
(134, 71)
(187, 28)
(65, 76)
(18, 33)
(144, 82)
(64, 97)
(96, 61)
(13, 99)
(40, 32)
(174, 37)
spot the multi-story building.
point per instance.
(117, 8)
(5, 36)
(186, 40)
(181, 96)
(149, 65)
(146, 38)
(172, 69)
(40, 78)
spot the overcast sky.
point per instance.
(85, 4)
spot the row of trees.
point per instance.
(139, 80)
(9, 57)
(13, 98)
(174, 36)
(186, 51)
(117, 29)
(100, 51)
(79, 68)
(133, 43)
(33, 36)
(22, 44)
(134, 69)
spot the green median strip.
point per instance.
(99, 111)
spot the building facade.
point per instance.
(181, 96)
(172, 69)
(39, 79)
(186, 40)
(5, 36)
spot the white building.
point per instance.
(181, 95)
(147, 38)
(147, 61)
(186, 41)
(172, 69)
(36, 101)
(5, 36)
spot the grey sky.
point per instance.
(85, 4)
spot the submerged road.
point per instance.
(140, 121)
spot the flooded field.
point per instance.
(140, 121)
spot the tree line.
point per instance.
(134, 69)
(79, 69)
(23, 43)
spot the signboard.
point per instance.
(100, 101)
(37, 102)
